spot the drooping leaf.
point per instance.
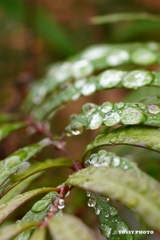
(104, 81)
(7, 208)
(39, 234)
(69, 228)
(110, 114)
(118, 17)
(7, 128)
(38, 212)
(146, 137)
(11, 231)
(17, 162)
(129, 188)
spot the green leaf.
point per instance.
(118, 17)
(17, 163)
(39, 234)
(5, 117)
(110, 222)
(9, 207)
(11, 231)
(110, 114)
(104, 81)
(38, 212)
(7, 128)
(69, 228)
(145, 137)
(129, 188)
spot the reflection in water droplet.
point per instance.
(88, 108)
(137, 78)
(91, 202)
(82, 68)
(111, 78)
(77, 128)
(106, 107)
(143, 56)
(111, 119)
(94, 121)
(61, 204)
(154, 109)
(132, 116)
(88, 89)
(117, 56)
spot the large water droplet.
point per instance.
(95, 52)
(73, 117)
(88, 89)
(106, 107)
(120, 105)
(113, 211)
(137, 78)
(88, 108)
(102, 154)
(111, 78)
(79, 83)
(143, 56)
(105, 230)
(117, 57)
(93, 158)
(82, 68)
(61, 204)
(111, 119)
(94, 121)
(39, 206)
(91, 202)
(132, 116)
(154, 109)
(77, 128)
(68, 131)
(97, 210)
(116, 161)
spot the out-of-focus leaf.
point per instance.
(129, 188)
(38, 212)
(118, 17)
(7, 208)
(39, 234)
(50, 30)
(17, 162)
(146, 137)
(5, 117)
(14, 9)
(7, 128)
(11, 231)
(69, 228)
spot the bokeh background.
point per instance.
(37, 33)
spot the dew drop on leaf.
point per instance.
(143, 56)
(39, 206)
(117, 57)
(132, 116)
(111, 119)
(97, 210)
(94, 121)
(91, 202)
(82, 68)
(61, 204)
(88, 108)
(105, 230)
(116, 161)
(77, 128)
(88, 89)
(154, 109)
(111, 78)
(106, 107)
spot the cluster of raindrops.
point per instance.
(109, 114)
(108, 159)
(94, 58)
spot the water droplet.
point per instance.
(39, 206)
(93, 158)
(143, 56)
(54, 198)
(105, 230)
(68, 131)
(77, 128)
(120, 105)
(117, 57)
(79, 83)
(94, 121)
(88, 89)
(60, 72)
(73, 117)
(116, 161)
(82, 68)
(75, 96)
(106, 199)
(88, 108)
(137, 78)
(113, 140)
(95, 52)
(121, 226)
(106, 107)
(132, 116)
(61, 204)
(113, 211)
(142, 105)
(91, 202)
(111, 78)
(111, 119)
(102, 153)
(88, 194)
(86, 163)
(154, 109)
(97, 210)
